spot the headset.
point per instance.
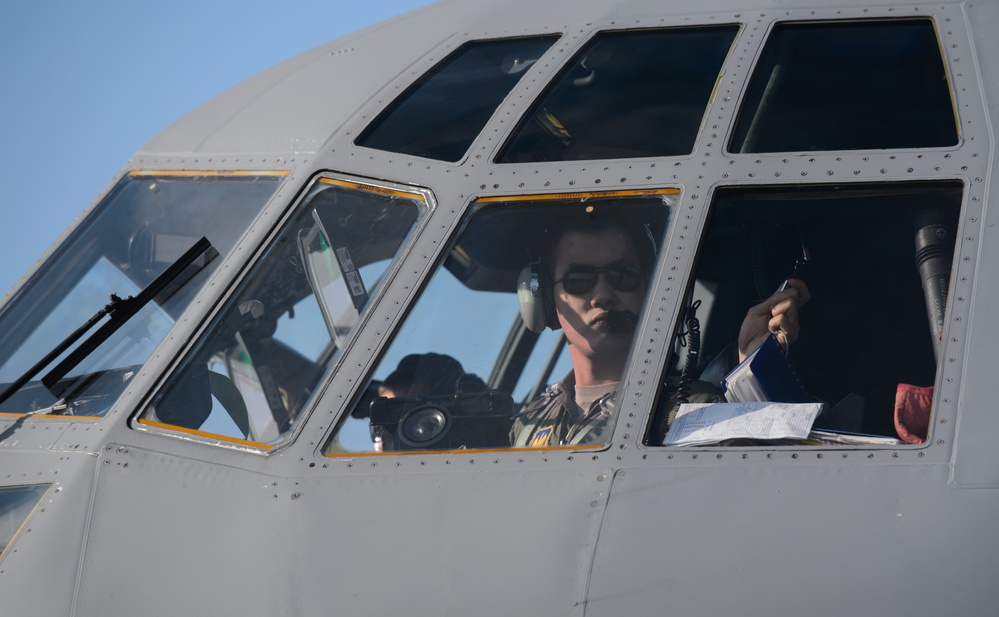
(537, 299)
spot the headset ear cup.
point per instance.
(530, 295)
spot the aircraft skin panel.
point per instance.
(259, 114)
(33, 440)
(188, 132)
(975, 464)
(851, 539)
(47, 553)
(303, 107)
(355, 544)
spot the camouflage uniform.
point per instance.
(554, 418)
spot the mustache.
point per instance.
(622, 322)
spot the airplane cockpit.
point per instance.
(876, 318)
(272, 344)
(871, 323)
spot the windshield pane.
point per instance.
(253, 371)
(470, 366)
(144, 224)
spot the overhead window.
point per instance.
(486, 358)
(627, 94)
(440, 115)
(253, 371)
(848, 86)
(130, 241)
(877, 262)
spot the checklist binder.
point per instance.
(766, 375)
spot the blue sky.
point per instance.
(84, 84)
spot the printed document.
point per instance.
(705, 423)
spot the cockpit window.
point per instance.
(628, 94)
(16, 505)
(253, 371)
(848, 86)
(143, 226)
(440, 115)
(864, 348)
(487, 358)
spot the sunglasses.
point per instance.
(581, 279)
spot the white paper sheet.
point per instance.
(704, 423)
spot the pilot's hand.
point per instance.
(777, 314)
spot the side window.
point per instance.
(483, 358)
(864, 349)
(856, 85)
(16, 504)
(627, 94)
(251, 374)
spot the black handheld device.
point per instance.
(443, 422)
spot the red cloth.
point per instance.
(912, 412)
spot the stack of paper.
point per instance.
(705, 423)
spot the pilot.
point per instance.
(599, 271)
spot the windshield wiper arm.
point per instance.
(119, 312)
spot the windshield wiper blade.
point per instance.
(119, 312)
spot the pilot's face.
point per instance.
(583, 312)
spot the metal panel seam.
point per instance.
(596, 538)
(86, 533)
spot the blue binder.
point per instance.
(766, 375)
